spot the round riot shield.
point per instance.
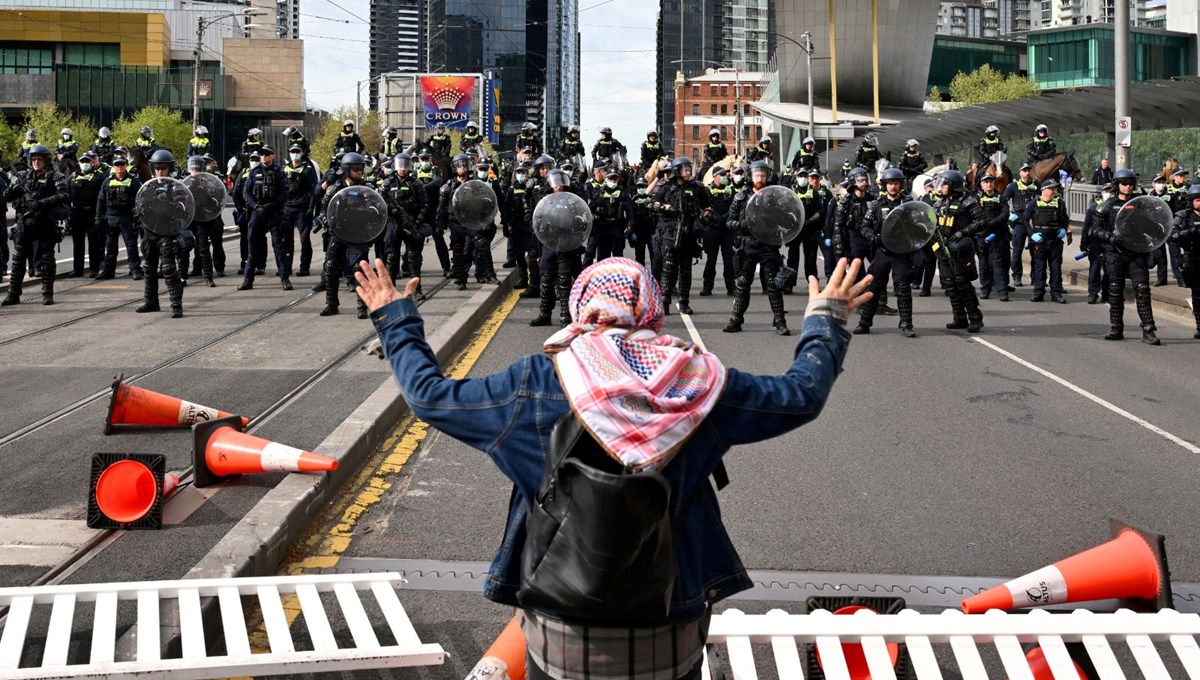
(209, 192)
(1143, 224)
(908, 227)
(357, 214)
(164, 206)
(562, 221)
(774, 215)
(474, 205)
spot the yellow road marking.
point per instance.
(333, 531)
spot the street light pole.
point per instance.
(808, 48)
(196, 72)
(1121, 80)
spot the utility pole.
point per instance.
(196, 72)
(737, 102)
(1121, 82)
(808, 48)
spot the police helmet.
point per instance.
(289, 131)
(912, 142)
(955, 179)
(66, 132)
(254, 132)
(1193, 192)
(40, 150)
(568, 166)
(856, 172)
(713, 132)
(209, 157)
(871, 139)
(162, 156)
(31, 135)
(891, 175)
(201, 130)
(765, 139)
(543, 160)
(347, 123)
(1049, 184)
(760, 165)
(461, 160)
(991, 129)
(600, 164)
(425, 153)
(390, 130)
(557, 178)
(528, 127)
(1042, 128)
(1124, 174)
(196, 163)
(146, 130)
(402, 161)
(573, 128)
(651, 133)
(681, 161)
(606, 131)
(809, 140)
(472, 124)
(105, 133)
(353, 158)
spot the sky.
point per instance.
(617, 69)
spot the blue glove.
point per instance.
(1013, 217)
(828, 243)
(990, 238)
(1062, 233)
(1037, 237)
(1080, 256)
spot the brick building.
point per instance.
(711, 101)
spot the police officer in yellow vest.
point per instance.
(67, 149)
(200, 144)
(613, 208)
(1018, 194)
(145, 141)
(652, 149)
(714, 150)
(31, 140)
(718, 237)
(39, 195)
(472, 137)
(806, 158)
(391, 144)
(1049, 225)
(87, 235)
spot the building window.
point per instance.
(696, 132)
(724, 109)
(92, 54)
(712, 90)
(745, 109)
(695, 90)
(26, 61)
(695, 109)
(724, 90)
(712, 109)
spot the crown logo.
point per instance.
(447, 98)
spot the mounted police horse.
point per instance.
(1048, 169)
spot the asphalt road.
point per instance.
(949, 455)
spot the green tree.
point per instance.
(171, 131)
(49, 121)
(369, 128)
(986, 84)
(9, 143)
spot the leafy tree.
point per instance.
(171, 131)
(9, 143)
(985, 84)
(49, 120)
(369, 128)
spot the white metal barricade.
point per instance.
(354, 594)
(1102, 636)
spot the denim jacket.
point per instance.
(509, 416)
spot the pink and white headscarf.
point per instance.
(640, 393)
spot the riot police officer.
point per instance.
(718, 239)
(199, 144)
(994, 254)
(161, 253)
(207, 234)
(301, 182)
(31, 141)
(652, 149)
(460, 262)
(959, 218)
(529, 138)
(559, 269)
(391, 144)
(537, 188)
(1041, 147)
(847, 238)
(751, 254)
(472, 137)
(115, 211)
(265, 193)
(868, 153)
(885, 262)
(405, 196)
(241, 214)
(87, 235)
(515, 228)
(1186, 236)
(145, 141)
(1017, 194)
(988, 145)
(439, 142)
(814, 197)
(761, 151)
(1048, 224)
(606, 147)
(103, 146)
(644, 219)
(1123, 263)
(806, 158)
(613, 210)
(714, 149)
(297, 138)
(67, 150)
(40, 196)
(1094, 249)
(341, 253)
(431, 178)
(348, 140)
(912, 163)
(679, 202)
(571, 145)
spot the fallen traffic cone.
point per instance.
(505, 659)
(136, 406)
(856, 658)
(1131, 567)
(127, 490)
(221, 450)
(1041, 668)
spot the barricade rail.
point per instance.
(224, 650)
(1118, 645)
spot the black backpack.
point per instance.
(599, 543)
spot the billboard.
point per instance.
(448, 99)
(491, 109)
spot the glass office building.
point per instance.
(952, 55)
(1083, 55)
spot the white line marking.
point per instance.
(1084, 393)
(687, 321)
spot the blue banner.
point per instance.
(491, 109)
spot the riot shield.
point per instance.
(1143, 224)
(908, 227)
(209, 192)
(357, 214)
(474, 205)
(918, 185)
(164, 206)
(774, 215)
(562, 221)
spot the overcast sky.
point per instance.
(618, 61)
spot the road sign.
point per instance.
(1124, 131)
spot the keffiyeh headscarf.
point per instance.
(640, 393)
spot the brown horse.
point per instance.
(139, 162)
(1169, 167)
(1048, 169)
(995, 168)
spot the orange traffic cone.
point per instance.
(1132, 567)
(505, 659)
(141, 407)
(1041, 668)
(856, 658)
(127, 490)
(220, 450)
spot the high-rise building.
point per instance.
(695, 35)
(969, 19)
(1057, 13)
(1185, 18)
(279, 19)
(398, 39)
(1015, 16)
(530, 46)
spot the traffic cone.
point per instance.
(127, 490)
(505, 659)
(221, 450)
(1041, 668)
(1131, 567)
(856, 658)
(141, 407)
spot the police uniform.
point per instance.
(1094, 248)
(986, 147)
(1123, 264)
(460, 261)
(806, 160)
(759, 153)
(528, 140)
(1017, 194)
(103, 149)
(644, 220)
(40, 199)
(265, 193)
(677, 236)
(809, 241)
(884, 263)
(469, 140)
(406, 203)
(210, 251)
(115, 210)
(301, 182)
(68, 149)
(348, 142)
(867, 155)
(912, 165)
(651, 151)
(148, 146)
(241, 217)
(302, 142)
(719, 239)
(519, 234)
(198, 146)
(339, 254)
(607, 148)
(714, 152)
(752, 254)
(613, 211)
(959, 218)
(87, 234)
(160, 257)
(558, 269)
(1048, 220)
(390, 146)
(1040, 149)
(1186, 237)
(994, 255)
(571, 147)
